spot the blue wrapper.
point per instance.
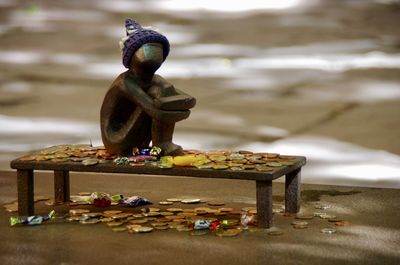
(201, 224)
(135, 201)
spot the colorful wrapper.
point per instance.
(201, 224)
(31, 220)
(135, 201)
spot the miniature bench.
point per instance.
(25, 178)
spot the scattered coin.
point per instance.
(328, 230)
(299, 223)
(90, 161)
(321, 206)
(215, 203)
(113, 224)
(90, 221)
(140, 221)
(246, 209)
(220, 167)
(274, 164)
(225, 209)
(276, 232)
(165, 227)
(151, 214)
(78, 211)
(174, 210)
(190, 201)
(304, 216)
(173, 200)
(143, 229)
(132, 226)
(166, 213)
(165, 203)
(334, 220)
(112, 212)
(343, 223)
(254, 211)
(159, 224)
(327, 216)
(300, 226)
(183, 228)
(92, 214)
(84, 193)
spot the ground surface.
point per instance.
(373, 237)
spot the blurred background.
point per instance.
(303, 77)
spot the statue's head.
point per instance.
(143, 48)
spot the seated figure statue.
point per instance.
(140, 106)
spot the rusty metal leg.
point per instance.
(61, 186)
(25, 192)
(292, 191)
(264, 203)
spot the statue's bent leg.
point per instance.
(161, 133)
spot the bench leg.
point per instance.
(25, 192)
(264, 203)
(292, 191)
(61, 186)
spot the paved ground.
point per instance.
(313, 78)
(373, 237)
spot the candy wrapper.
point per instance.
(135, 201)
(31, 220)
(214, 226)
(123, 160)
(246, 219)
(201, 224)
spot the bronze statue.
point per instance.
(140, 106)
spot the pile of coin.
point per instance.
(218, 159)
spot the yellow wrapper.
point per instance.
(186, 160)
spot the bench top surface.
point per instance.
(108, 166)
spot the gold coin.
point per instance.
(334, 220)
(27, 158)
(275, 233)
(121, 215)
(248, 167)
(151, 214)
(113, 224)
(264, 168)
(165, 227)
(143, 229)
(236, 212)
(89, 221)
(304, 216)
(106, 220)
(244, 152)
(131, 227)
(218, 213)
(201, 212)
(173, 200)
(212, 211)
(220, 167)
(165, 203)
(139, 221)
(272, 155)
(187, 214)
(166, 213)
(188, 210)
(159, 224)
(112, 212)
(216, 203)
(174, 210)
(299, 223)
(189, 201)
(78, 211)
(328, 230)
(226, 209)
(273, 164)
(90, 161)
(92, 214)
(343, 223)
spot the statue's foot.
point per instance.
(171, 149)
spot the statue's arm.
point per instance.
(147, 104)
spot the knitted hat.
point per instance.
(136, 37)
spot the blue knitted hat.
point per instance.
(136, 37)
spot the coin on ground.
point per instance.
(225, 209)
(165, 203)
(112, 212)
(299, 223)
(327, 216)
(215, 203)
(300, 226)
(246, 209)
(113, 224)
(304, 216)
(89, 221)
(276, 232)
(140, 221)
(150, 214)
(143, 229)
(78, 211)
(183, 228)
(328, 230)
(174, 210)
(343, 223)
(188, 201)
(173, 200)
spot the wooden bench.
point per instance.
(25, 181)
